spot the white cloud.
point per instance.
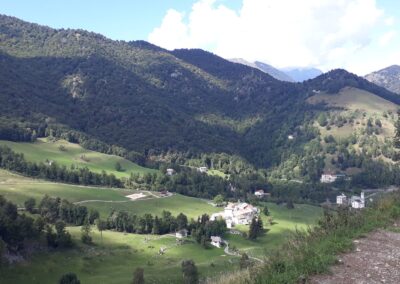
(387, 37)
(280, 32)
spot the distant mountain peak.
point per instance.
(264, 67)
(300, 74)
(388, 78)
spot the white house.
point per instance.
(355, 201)
(358, 202)
(170, 172)
(328, 178)
(203, 169)
(216, 241)
(341, 199)
(181, 234)
(259, 193)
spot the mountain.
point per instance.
(302, 74)
(274, 72)
(141, 100)
(388, 78)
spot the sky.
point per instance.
(359, 35)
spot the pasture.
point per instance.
(114, 258)
(64, 153)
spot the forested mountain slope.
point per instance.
(151, 101)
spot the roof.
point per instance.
(216, 239)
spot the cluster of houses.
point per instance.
(240, 213)
(355, 201)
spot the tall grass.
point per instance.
(313, 251)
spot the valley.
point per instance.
(115, 156)
(117, 254)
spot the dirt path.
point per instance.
(376, 259)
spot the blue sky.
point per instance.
(117, 19)
(359, 35)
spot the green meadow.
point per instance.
(114, 258)
(73, 154)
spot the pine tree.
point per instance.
(253, 230)
(138, 276)
(85, 233)
(396, 139)
(190, 273)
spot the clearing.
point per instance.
(65, 153)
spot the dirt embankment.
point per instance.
(375, 259)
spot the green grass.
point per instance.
(17, 189)
(44, 149)
(285, 222)
(114, 259)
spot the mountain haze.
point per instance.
(302, 74)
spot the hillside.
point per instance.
(141, 102)
(70, 154)
(388, 78)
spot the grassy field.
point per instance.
(44, 149)
(17, 189)
(355, 99)
(114, 259)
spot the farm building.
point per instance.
(216, 241)
(236, 213)
(341, 199)
(203, 169)
(181, 234)
(355, 201)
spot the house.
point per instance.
(328, 178)
(341, 199)
(181, 234)
(260, 193)
(165, 193)
(358, 202)
(355, 201)
(203, 169)
(170, 172)
(216, 241)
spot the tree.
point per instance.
(244, 261)
(253, 230)
(118, 167)
(189, 270)
(30, 205)
(69, 278)
(219, 200)
(396, 140)
(138, 276)
(289, 204)
(266, 211)
(85, 233)
(101, 226)
(322, 120)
